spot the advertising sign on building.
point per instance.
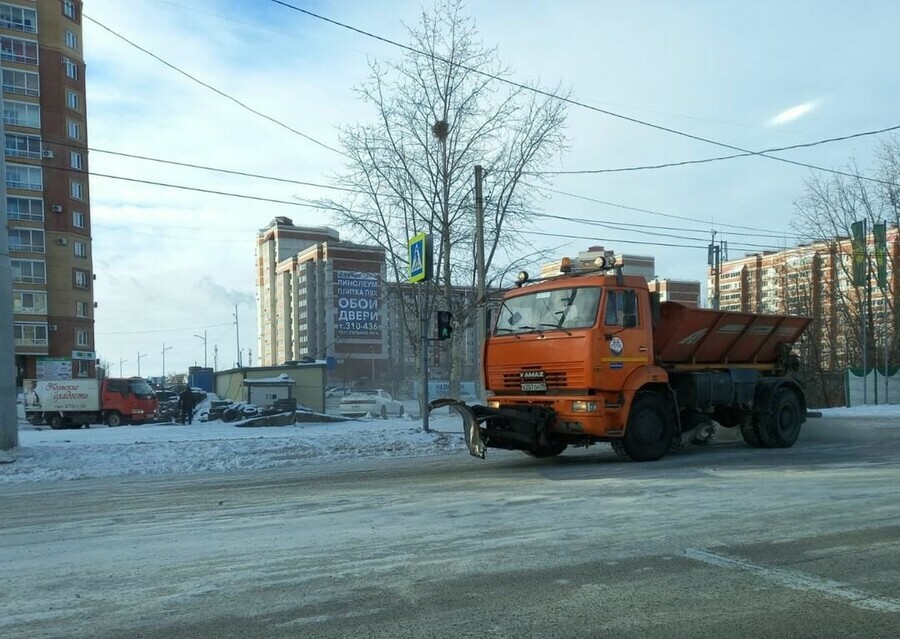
(54, 368)
(358, 300)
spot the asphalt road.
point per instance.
(711, 542)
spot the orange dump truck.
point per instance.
(592, 356)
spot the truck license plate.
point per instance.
(534, 386)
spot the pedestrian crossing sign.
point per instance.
(420, 258)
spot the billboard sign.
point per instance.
(54, 368)
(358, 301)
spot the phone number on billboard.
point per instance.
(359, 326)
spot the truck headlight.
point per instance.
(493, 403)
(584, 407)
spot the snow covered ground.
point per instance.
(157, 449)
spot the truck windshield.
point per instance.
(140, 388)
(544, 311)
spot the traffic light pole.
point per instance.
(424, 331)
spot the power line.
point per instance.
(214, 89)
(640, 227)
(730, 157)
(566, 100)
(651, 211)
(225, 171)
(164, 330)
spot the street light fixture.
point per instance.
(164, 349)
(203, 337)
(139, 361)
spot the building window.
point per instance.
(25, 208)
(73, 129)
(15, 50)
(73, 100)
(30, 334)
(78, 220)
(77, 190)
(26, 240)
(80, 249)
(21, 82)
(19, 145)
(81, 279)
(68, 9)
(18, 18)
(29, 178)
(21, 114)
(30, 302)
(29, 271)
(81, 309)
(71, 40)
(75, 160)
(71, 68)
(81, 338)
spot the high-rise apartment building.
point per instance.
(816, 280)
(46, 185)
(321, 297)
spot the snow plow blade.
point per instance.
(470, 424)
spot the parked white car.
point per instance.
(377, 403)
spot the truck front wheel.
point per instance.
(650, 430)
(113, 420)
(780, 427)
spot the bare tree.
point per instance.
(439, 112)
(825, 215)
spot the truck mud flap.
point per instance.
(470, 424)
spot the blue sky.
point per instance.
(171, 263)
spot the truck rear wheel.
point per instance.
(780, 427)
(113, 420)
(650, 429)
(56, 422)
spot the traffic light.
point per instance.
(445, 324)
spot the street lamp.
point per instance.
(203, 337)
(121, 361)
(164, 349)
(139, 361)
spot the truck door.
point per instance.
(624, 339)
(112, 394)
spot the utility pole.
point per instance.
(480, 301)
(164, 349)
(237, 335)
(424, 329)
(121, 361)
(139, 362)
(714, 259)
(203, 337)
(9, 422)
(215, 357)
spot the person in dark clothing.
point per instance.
(187, 403)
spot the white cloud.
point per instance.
(794, 113)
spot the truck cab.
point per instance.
(129, 400)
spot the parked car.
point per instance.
(166, 396)
(376, 402)
(336, 391)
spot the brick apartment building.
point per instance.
(46, 184)
(814, 280)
